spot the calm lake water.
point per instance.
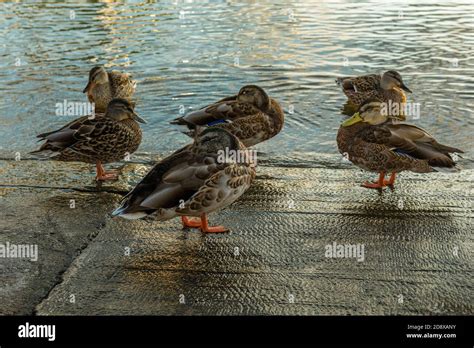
(188, 54)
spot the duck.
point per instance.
(193, 182)
(372, 142)
(388, 87)
(251, 115)
(99, 138)
(103, 86)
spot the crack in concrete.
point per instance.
(138, 161)
(75, 253)
(60, 275)
(77, 189)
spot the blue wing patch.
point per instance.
(213, 123)
(402, 153)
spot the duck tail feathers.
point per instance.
(181, 121)
(446, 169)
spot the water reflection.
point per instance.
(187, 54)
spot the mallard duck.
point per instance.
(103, 86)
(102, 138)
(369, 140)
(193, 182)
(385, 88)
(251, 115)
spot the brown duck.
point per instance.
(98, 139)
(372, 142)
(251, 115)
(103, 86)
(193, 182)
(361, 89)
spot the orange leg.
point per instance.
(377, 184)
(211, 229)
(102, 175)
(192, 223)
(390, 181)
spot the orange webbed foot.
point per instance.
(374, 185)
(107, 176)
(214, 229)
(211, 229)
(102, 175)
(190, 222)
(379, 184)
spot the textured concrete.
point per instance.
(37, 210)
(418, 245)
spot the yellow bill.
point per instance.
(353, 120)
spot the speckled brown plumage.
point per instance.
(385, 147)
(360, 89)
(251, 115)
(192, 181)
(105, 138)
(103, 86)
(373, 153)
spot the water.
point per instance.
(187, 54)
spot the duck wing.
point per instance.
(168, 184)
(74, 124)
(79, 137)
(227, 109)
(406, 139)
(356, 84)
(252, 129)
(69, 135)
(221, 189)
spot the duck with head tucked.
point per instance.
(103, 86)
(101, 138)
(251, 115)
(193, 182)
(372, 142)
(385, 88)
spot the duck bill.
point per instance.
(405, 88)
(89, 86)
(138, 118)
(353, 120)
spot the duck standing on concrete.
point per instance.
(193, 182)
(372, 142)
(102, 138)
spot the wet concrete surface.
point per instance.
(417, 240)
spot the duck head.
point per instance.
(254, 95)
(97, 76)
(371, 113)
(122, 109)
(228, 148)
(391, 79)
(213, 140)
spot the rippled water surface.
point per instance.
(188, 54)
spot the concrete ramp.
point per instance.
(417, 246)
